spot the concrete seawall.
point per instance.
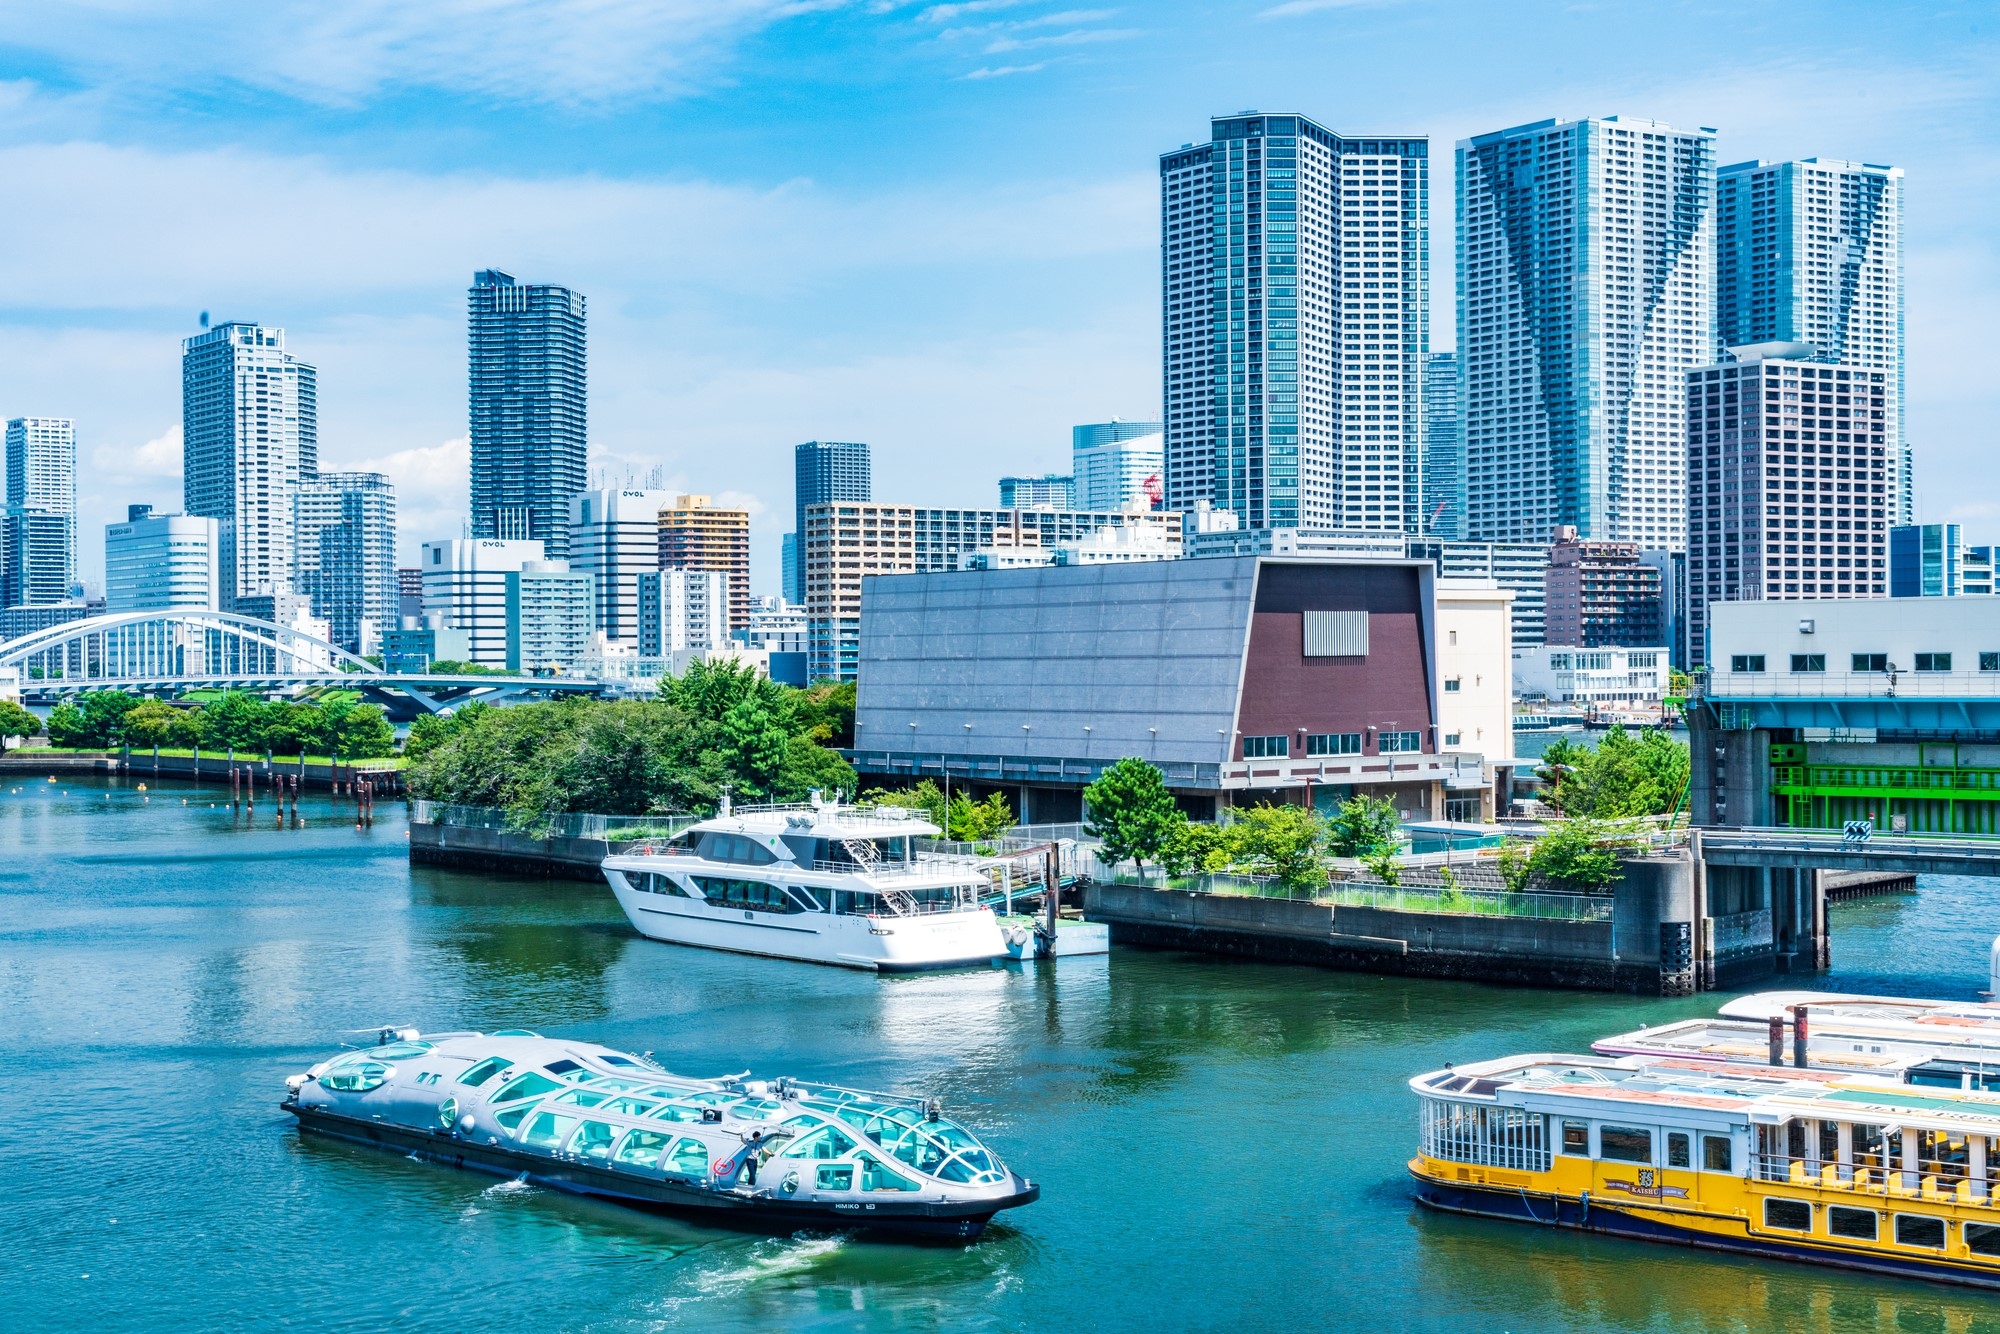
(514, 854)
(140, 767)
(1641, 949)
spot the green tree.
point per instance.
(238, 720)
(925, 797)
(432, 730)
(1196, 847)
(809, 767)
(755, 744)
(93, 721)
(826, 712)
(363, 733)
(1284, 841)
(1624, 776)
(1559, 758)
(977, 821)
(1512, 857)
(67, 726)
(1581, 853)
(16, 721)
(1364, 825)
(1131, 812)
(155, 722)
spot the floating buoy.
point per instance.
(52, 778)
(142, 787)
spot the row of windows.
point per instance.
(1853, 1224)
(1805, 663)
(1330, 743)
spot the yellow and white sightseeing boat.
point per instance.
(1824, 1166)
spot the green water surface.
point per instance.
(1220, 1143)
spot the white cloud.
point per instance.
(1293, 8)
(1002, 71)
(579, 52)
(1075, 37)
(158, 459)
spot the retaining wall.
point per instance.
(514, 854)
(1630, 952)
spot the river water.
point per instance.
(1221, 1144)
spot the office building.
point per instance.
(776, 625)
(682, 609)
(1789, 476)
(550, 619)
(465, 588)
(1443, 470)
(791, 571)
(1294, 272)
(614, 537)
(30, 617)
(283, 607)
(825, 472)
(1932, 561)
(1050, 491)
(1600, 594)
(696, 534)
(250, 435)
(409, 593)
(845, 543)
(529, 427)
(1245, 679)
(1118, 465)
(419, 648)
(1591, 676)
(1811, 252)
(155, 562)
(1584, 298)
(1673, 568)
(346, 555)
(38, 528)
(1905, 507)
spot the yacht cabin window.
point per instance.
(1625, 1144)
(1677, 1150)
(1715, 1154)
(739, 848)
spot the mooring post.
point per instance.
(1777, 1039)
(1799, 1036)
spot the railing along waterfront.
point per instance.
(1472, 903)
(609, 828)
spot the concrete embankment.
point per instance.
(141, 766)
(1640, 948)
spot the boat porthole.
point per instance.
(791, 1183)
(447, 1112)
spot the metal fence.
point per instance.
(609, 828)
(1466, 902)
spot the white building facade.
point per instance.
(1565, 674)
(1118, 472)
(38, 529)
(465, 583)
(686, 609)
(614, 536)
(550, 619)
(1585, 280)
(156, 562)
(250, 427)
(1294, 304)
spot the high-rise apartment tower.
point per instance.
(347, 555)
(250, 436)
(1584, 297)
(1294, 264)
(826, 472)
(1443, 471)
(1811, 252)
(38, 533)
(529, 438)
(696, 534)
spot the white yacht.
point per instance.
(821, 883)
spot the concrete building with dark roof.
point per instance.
(1244, 679)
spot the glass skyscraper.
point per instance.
(1443, 468)
(1118, 463)
(1811, 252)
(530, 440)
(1584, 297)
(250, 436)
(38, 534)
(1294, 267)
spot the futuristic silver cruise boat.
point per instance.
(762, 1155)
(821, 883)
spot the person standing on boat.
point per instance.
(750, 1158)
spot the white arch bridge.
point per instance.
(168, 652)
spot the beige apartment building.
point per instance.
(695, 534)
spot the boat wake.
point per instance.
(517, 1186)
(773, 1258)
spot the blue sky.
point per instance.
(930, 226)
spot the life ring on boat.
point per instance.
(722, 1166)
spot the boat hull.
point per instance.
(737, 1208)
(879, 944)
(1705, 1231)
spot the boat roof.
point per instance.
(1740, 1041)
(825, 820)
(1889, 1016)
(1602, 1086)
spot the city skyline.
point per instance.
(1009, 325)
